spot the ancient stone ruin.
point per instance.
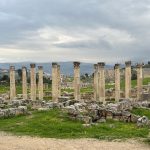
(95, 109)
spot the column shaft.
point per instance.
(117, 82)
(12, 83)
(33, 82)
(40, 82)
(55, 93)
(139, 81)
(95, 82)
(24, 82)
(101, 81)
(59, 80)
(77, 80)
(128, 79)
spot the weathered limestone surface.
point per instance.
(55, 93)
(12, 83)
(128, 79)
(77, 80)
(101, 82)
(40, 83)
(117, 82)
(59, 80)
(139, 80)
(95, 82)
(24, 82)
(33, 81)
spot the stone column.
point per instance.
(24, 82)
(55, 82)
(95, 82)
(40, 82)
(77, 80)
(101, 81)
(128, 79)
(117, 82)
(59, 80)
(139, 80)
(12, 83)
(33, 81)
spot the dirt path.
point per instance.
(10, 142)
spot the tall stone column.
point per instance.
(128, 79)
(40, 82)
(139, 80)
(24, 82)
(101, 81)
(117, 82)
(33, 81)
(55, 93)
(95, 82)
(77, 80)
(59, 80)
(12, 83)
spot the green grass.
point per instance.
(141, 112)
(4, 89)
(67, 90)
(86, 90)
(55, 124)
(146, 81)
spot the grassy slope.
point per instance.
(55, 124)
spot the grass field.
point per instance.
(55, 124)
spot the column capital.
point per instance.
(139, 65)
(117, 66)
(76, 64)
(23, 67)
(54, 64)
(32, 65)
(40, 67)
(128, 63)
(12, 67)
(101, 64)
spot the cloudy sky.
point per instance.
(70, 30)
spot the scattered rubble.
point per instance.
(88, 112)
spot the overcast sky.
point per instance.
(70, 30)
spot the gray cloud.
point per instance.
(85, 30)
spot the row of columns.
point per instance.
(99, 81)
(33, 89)
(128, 80)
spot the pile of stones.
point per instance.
(93, 113)
(89, 112)
(10, 112)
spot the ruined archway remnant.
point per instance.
(101, 81)
(139, 80)
(117, 81)
(127, 79)
(24, 82)
(77, 80)
(12, 83)
(40, 82)
(33, 81)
